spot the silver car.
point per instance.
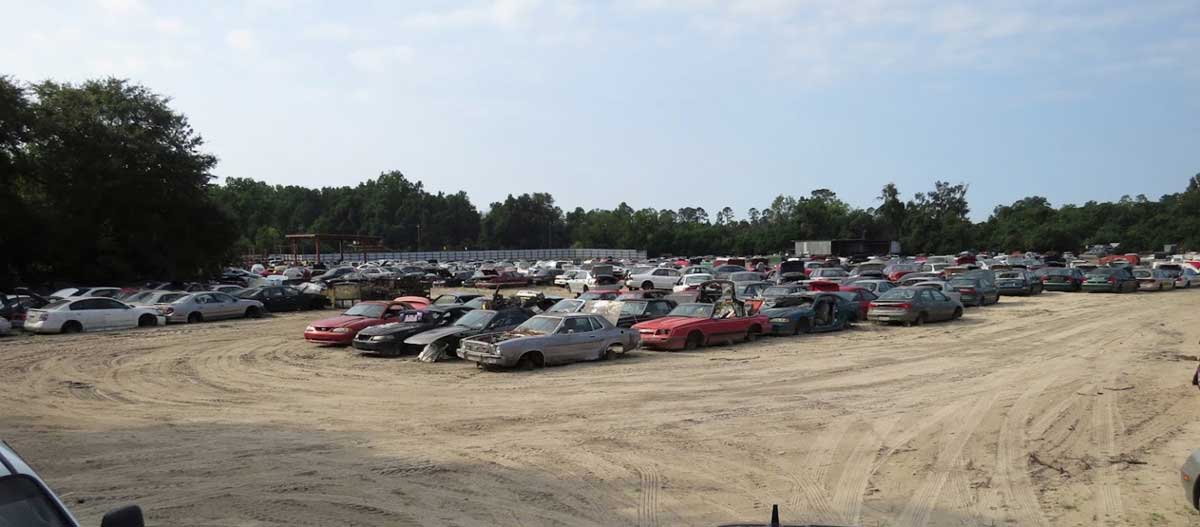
(211, 305)
(1189, 474)
(550, 339)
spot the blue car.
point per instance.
(811, 312)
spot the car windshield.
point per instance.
(633, 307)
(138, 297)
(476, 319)
(692, 311)
(1008, 274)
(899, 294)
(22, 502)
(964, 282)
(539, 325)
(566, 305)
(366, 310)
(1143, 273)
(445, 300)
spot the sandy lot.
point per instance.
(1064, 409)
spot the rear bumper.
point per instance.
(1059, 286)
(1100, 288)
(875, 316)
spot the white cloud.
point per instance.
(335, 31)
(499, 14)
(241, 40)
(380, 59)
(168, 26)
(118, 7)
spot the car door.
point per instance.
(945, 305)
(117, 315)
(571, 341)
(89, 312)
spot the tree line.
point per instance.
(104, 182)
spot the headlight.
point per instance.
(662, 332)
(309, 329)
(383, 338)
(341, 330)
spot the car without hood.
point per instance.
(810, 312)
(440, 343)
(718, 317)
(550, 339)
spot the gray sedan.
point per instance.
(212, 305)
(1189, 474)
(550, 339)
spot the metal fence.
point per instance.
(459, 256)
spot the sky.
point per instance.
(659, 103)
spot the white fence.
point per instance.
(459, 256)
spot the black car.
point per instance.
(388, 339)
(454, 297)
(635, 311)
(280, 298)
(542, 276)
(440, 343)
(13, 307)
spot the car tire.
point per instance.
(530, 361)
(71, 326)
(609, 353)
(195, 317)
(694, 340)
(752, 334)
(647, 285)
(253, 312)
(802, 327)
(146, 321)
(958, 312)
(920, 321)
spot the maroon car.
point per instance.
(342, 328)
(504, 279)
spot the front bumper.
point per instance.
(326, 337)
(484, 358)
(1187, 477)
(377, 346)
(664, 342)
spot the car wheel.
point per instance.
(146, 321)
(801, 327)
(694, 340)
(920, 321)
(71, 326)
(195, 317)
(958, 312)
(647, 285)
(752, 334)
(609, 353)
(585, 289)
(530, 361)
(253, 312)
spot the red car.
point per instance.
(717, 316)
(690, 326)
(863, 296)
(342, 328)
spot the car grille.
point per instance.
(477, 347)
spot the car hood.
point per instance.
(428, 337)
(669, 323)
(394, 328)
(496, 338)
(342, 321)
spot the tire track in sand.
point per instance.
(647, 513)
(808, 487)
(916, 512)
(1109, 509)
(1011, 460)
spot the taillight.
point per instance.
(905, 306)
(1112, 279)
(968, 290)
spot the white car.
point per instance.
(561, 280)
(73, 315)
(832, 274)
(586, 281)
(83, 292)
(691, 281)
(661, 278)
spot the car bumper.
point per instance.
(1014, 291)
(664, 342)
(1058, 286)
(1100, 288)
(969, 299)
(325, 337)
(377, 346)
(484, 358)
(782, 328)
(1149, 286)
(38, 327)
(890, 317)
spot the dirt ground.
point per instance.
(1063, 409)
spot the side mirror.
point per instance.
(128, 516)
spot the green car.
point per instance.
(1061, 279)
(1110, 280)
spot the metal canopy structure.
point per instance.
(358, 243)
